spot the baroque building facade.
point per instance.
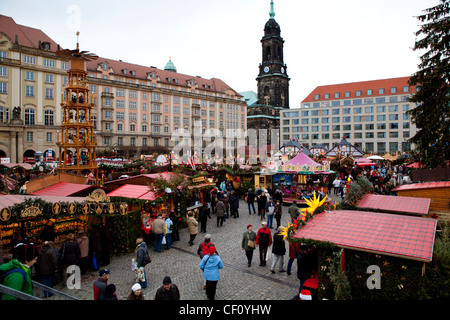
(137, 108)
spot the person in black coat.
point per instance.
(176, 220)
(70, 253)
(262, 201)
(203, 217)
(304, 266)
(278, 250)
(250, 201)
(234, 204)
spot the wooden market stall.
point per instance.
(398, 246)
(395, 204)
(24, 217)
(438, 192)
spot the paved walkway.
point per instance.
(237, 281)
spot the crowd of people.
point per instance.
(88, 251)
(383, 178)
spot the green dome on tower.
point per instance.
(170, 66)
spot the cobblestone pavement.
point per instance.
(237, 280)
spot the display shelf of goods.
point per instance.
(6, 233)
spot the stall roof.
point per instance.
(26, 166)
(130, 191)
(63, 189)
(419, 206)
(424, 185)
(141, 179)
(8, 200)
(381, 233)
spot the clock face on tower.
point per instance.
(266, 69)
(282, 70)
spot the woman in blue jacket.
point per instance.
(210, 265)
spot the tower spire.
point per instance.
(271, 12)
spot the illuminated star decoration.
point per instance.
(313, 203)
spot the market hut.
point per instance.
(395, 204)
(397, 247)
(438, 192)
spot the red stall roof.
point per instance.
(382, 233)
(9, 200)
(63, 189)
(129, 191)
(398, 204)
(424, 185)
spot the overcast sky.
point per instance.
(326, 42)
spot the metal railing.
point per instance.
(38, 292)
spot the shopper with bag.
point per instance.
(142, 259)
(263, 241)
(249, 244)
(210, 265)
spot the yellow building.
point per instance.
(137, 107)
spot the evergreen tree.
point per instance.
(432, 114)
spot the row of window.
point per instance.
(348, 135)
(358, 93)
(144, 141)
(356, 127)
(357, 110)
(49, 63)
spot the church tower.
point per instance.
(273, 86)
(273, 81)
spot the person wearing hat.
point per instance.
(203, 250)
(248, 243)
(16, 273)
(305, 295)
(263, 241)
(210, 265)
(83, 243)
(168, 291)
(136, 292)
(101, 283)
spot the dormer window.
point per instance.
(45, 45)
(124, 71)
(105, 66)
(133, 73)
